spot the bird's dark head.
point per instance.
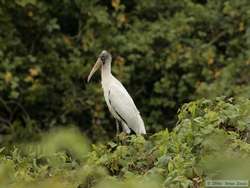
(105, 57)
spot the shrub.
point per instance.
(209, 142)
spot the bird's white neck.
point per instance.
(106, 70)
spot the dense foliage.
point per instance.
(209, 142)
(165, 52)
(186, 64)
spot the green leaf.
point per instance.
(23, 3)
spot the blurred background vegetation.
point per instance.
(166, 53)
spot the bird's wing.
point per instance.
(123, 105)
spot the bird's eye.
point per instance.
(103, 58)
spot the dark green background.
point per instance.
(165, 52)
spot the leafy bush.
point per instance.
(165, 52)
(209, 142)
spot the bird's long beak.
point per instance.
(95, 68)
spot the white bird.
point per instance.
(119, 102)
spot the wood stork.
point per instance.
(119, 102)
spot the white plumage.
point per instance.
(119, 102)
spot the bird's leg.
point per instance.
(117, 128)
(125, 128)
(117, 131)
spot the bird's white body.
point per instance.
(120, 103)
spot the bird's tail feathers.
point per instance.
(141, 127)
